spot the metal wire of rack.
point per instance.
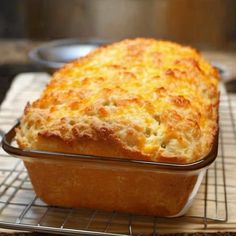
(21, 209)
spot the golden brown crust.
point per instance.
(140, 98)
(107, 187)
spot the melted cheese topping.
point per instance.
(156, 98)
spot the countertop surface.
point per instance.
(16, 51)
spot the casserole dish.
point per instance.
(126, 185)
(125, 114)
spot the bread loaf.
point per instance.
(137, 99)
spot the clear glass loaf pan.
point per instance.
(113, 184)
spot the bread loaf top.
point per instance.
(138, 98)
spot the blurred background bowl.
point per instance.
(53, 55)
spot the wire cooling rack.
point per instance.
(21, 209)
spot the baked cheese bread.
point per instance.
(137, 99)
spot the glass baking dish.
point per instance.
(113, 184)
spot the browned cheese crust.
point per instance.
(139, 99)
